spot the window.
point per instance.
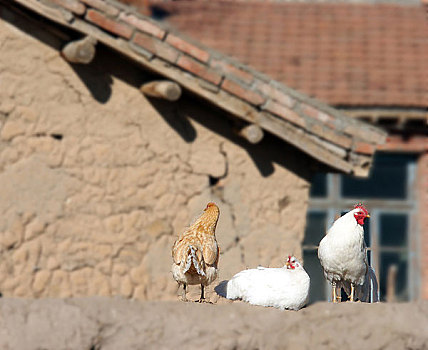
(389, 233)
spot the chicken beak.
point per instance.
(287, 264)
(367, 216)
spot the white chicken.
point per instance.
(284, 288)
(343, 256)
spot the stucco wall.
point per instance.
(96, 181)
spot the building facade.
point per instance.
(98, 179)
(368, 59)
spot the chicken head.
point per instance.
(360, 213)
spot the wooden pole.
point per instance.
(80, 51)
(252, 133)
(391, 282)
(165, 89)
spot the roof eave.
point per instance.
(354, 157)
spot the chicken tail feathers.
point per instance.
(369, 291)
(192, 259)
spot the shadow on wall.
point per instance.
(271, 150)
(97, 77)
(98, 84)
(172, 113)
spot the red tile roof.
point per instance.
(315, 128)
(343, 54)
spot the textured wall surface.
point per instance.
(97, 181)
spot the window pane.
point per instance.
(313, 268)
(388, 262)
(315, 228)
(393, 230)
(319, 186)
(388, 179)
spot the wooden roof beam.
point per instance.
(80, 51)
(165, 89)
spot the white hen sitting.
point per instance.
(342, 253)
(284, 288)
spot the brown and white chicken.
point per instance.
(196, 252)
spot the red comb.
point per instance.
(361, 206)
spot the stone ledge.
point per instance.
(115, 323)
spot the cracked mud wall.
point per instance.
(96, 181)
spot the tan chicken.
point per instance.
(196, 253)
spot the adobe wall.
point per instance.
(97, 181)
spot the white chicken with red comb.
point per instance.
(343, 256)
(286, 287)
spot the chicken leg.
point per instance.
(333, 286)
(339, 294)
(351, 298)
(337, 298)
(202, 298)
